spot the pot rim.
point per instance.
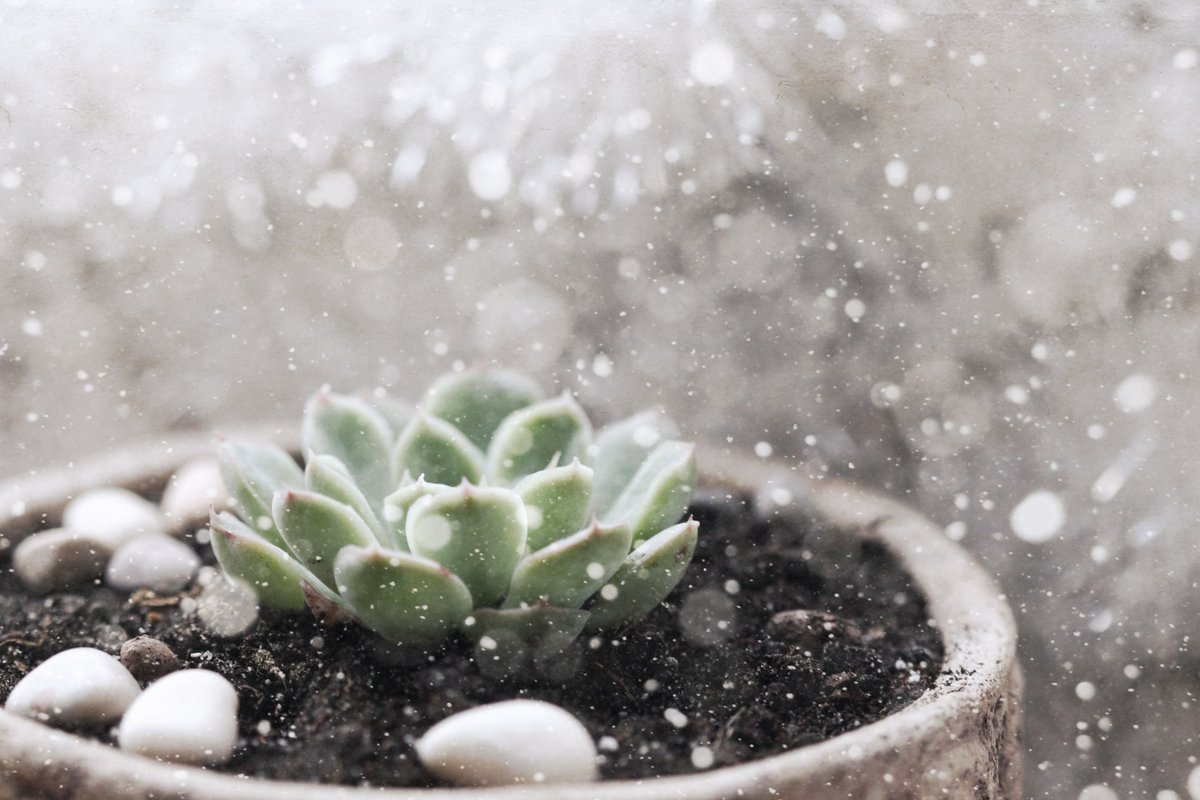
(977, 627)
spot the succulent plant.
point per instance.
(488, 510)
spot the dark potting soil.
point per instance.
(697, 678)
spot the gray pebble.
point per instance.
(58, 558)
(148, 659)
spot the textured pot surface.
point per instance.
(961, 739)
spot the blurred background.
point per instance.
(946, 248)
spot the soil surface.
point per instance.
(695, 685)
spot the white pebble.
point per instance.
(194, 488)
(81, 686)
(188, 716)
(112, 516)
(517, 741)
(155, 561)
(58, 558)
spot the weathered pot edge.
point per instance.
(960, 739)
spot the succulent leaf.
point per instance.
(477, 532)
(531, 438)
(659, 492)
(477, 401)
(328, 476)
(432, 447)
(521, 636)
(316, 527)
(557, 502)
(397, 504)
(621, 448)
(394, 411)
(350, 430)
(252, 474)
(646, 577)
(274, 576)
(404, 598)
(567, 572)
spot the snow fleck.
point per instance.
(489, 175)
(922, 194)
(1136, 393)
(1180, 249)
(832, 25)
(1193, 783)
(956, 531)
(763, 449)
(706, 617)
(1017, 395)
(432, 532)
(602, 366)
(977, 59)
(1132, 671)
(595, 570)
(896, 173)
(886, 394)
(609, 592)
(712, 63)
(1123, 197)
(1085, 690)
(855, 309)
(676, 717)
(1186, 58)
(1038, 517)
(335, 188)
(702, 757)
(32, 327)
(227, 608)
(608, 744)
(1096, 791)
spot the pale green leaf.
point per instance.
(556, 502)
(530, 439)
(567, 572)
(646, 577)
(397, 504)
(660, 491)
(253, 473)
(477, 532)
(477, 401)
(328, 476)
(273, 575)
(395, 412)
(432, 447)
(404, 598)
(620, 449)
(348, 429)
(316, 527)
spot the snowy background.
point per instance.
(948, 248)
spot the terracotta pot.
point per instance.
(961, 739)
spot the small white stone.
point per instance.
(155, 561)
(188, 716)
(112, 516)
(517, 741)
(58, 558)
(81, 686)
(193, 489)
